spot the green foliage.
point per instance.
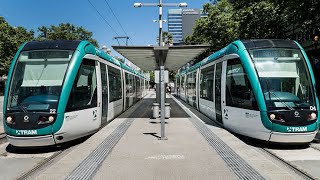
(172, 75)
(65, 31)
(261, 19)
(151, 76)
(218, 29)
(11, 38)
(229, 20)
(167, 38)
(304, 14)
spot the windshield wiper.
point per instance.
(278, 98)
(19, 105)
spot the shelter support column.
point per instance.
(163, 98)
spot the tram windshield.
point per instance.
(284, 78)
(37, 80)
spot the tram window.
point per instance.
(114, 84)
(206, 83)
(191, 86)
(183, 85)
(238, 88)
(84, 90)
(178, 85)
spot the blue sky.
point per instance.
(137, 22)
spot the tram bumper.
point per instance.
(292, 137)
(31, 141)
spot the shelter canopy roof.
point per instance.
(148, 57)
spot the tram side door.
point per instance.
(104, 93)
(218, 78)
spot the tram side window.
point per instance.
(206, 83)
(114, 84)
(189, 85)
(238, 88)
(84, 90)
(183, 85)
(178, 85)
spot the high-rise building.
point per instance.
(181, 23)
(189, 17)
(175, 24)
(213, 1)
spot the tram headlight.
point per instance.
(10, 120)
(45, 119)
(51, 118)
(277, 117)
(272, 116)
(312, 116)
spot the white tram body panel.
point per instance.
(79, 123)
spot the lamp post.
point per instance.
(161, 58)
(160, 5)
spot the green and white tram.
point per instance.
(263, 89)
(58, 91)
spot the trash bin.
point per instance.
(155, 108)
(167, 110)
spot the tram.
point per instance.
(58, 91)
(264, 89)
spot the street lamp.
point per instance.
(160, 5)
(161, 62)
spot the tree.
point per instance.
(218, 29)
(11, 38)
(65, 31)
(167, 38)
(260, 19)
(304, 14)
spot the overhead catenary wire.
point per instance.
(103, 18)
(117, 20)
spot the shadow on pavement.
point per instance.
(145, 109)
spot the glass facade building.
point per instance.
(181, 23)
(175, 25)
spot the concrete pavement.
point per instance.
(138, 154)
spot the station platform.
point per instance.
(129, 148)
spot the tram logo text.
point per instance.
(297, 129)
(26, 132)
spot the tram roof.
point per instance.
(147, 57)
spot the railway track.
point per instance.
(299, 172)
(36, 169)
(59, 153)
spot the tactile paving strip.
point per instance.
(88, 167)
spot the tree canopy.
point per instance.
(65, 31)
(167, 38)
(229, 20)
(11, 38)
(218, 29)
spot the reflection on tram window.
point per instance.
(114, 84)
(84, 91)
(238, 88)
(206, 83)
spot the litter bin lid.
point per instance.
(156, 104)
(167, 104)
